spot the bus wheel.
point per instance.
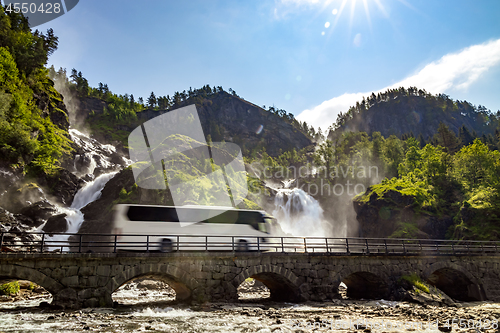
(166, 245)
(242, 246)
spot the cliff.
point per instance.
(223, 117)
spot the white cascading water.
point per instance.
(95, 154)
(298, 213)
(87, 194)
(91, 191)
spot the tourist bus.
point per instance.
(205, 228)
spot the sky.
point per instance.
(312, 58)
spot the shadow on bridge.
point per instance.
(455, 282)
(282, 284)
(177, 279)
(365, 285)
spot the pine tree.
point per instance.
(421, 140)
(324, 156)
(446, 138)
(377, 145)
(152, 100)
(464, 136)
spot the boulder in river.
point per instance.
(56, 224)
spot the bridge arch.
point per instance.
(362, 282)
(282, 283)
(25, 273)
(455, 281)
(174, 276)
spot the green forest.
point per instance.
(33, 123)
(451, 176)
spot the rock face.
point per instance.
(91, 158)
(401, 113)
(6, 220)
(381, 217)
(56, 224)
(19, 196)
(64, 185)
(16, 228)
(239, 121)
(225, 117)
(54, 107)
(39, 210)
(100, 210)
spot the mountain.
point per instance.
(223, 116)
(404, 111)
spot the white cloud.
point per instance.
(326, 113)
(453, 71)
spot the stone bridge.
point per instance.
(89, 280)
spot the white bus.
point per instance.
(169, 228)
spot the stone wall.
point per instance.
(88, 280)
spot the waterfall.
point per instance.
(94, 155)
(298, 213)
(91, 191)
(92, 158)
(87, 194)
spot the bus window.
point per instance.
(228, 216)
(152, 214)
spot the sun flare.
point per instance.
(338, 10)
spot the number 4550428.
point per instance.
(27, 7)
(472, 323)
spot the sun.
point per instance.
(337, 12)
(351, 5)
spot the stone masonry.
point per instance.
(88, 280)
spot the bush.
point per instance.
(415, 280)
(10, 288)
(123, 193)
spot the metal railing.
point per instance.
(106, 243)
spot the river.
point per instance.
(154, 310)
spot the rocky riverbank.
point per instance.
(149, 305)
(257, 315)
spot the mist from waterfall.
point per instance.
(299, 214)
